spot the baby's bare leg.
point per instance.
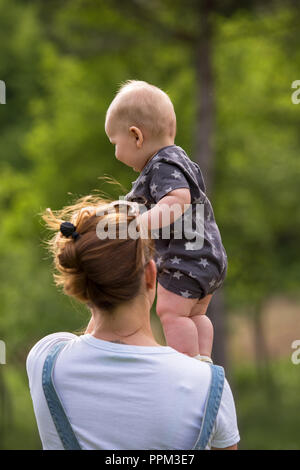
(179, 329)
(204, 326)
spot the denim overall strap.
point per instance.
(56, 409)
(211, 406)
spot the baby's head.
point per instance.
(139, 121)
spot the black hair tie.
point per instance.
(68, 229)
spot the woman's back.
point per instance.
(120, 396)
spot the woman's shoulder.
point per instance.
(42, 347)
(188, 368)
(197, 375)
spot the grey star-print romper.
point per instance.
(184, 267)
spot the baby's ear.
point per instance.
(138, 135)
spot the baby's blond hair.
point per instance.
(145, 106)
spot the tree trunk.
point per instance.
(262, 357)
(216, 312)
(260, 344)
(205, 100)
(204, 151)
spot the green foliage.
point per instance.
(258, 164)
(268, 413)
(20, 34)
(19, 426)
(62, 63)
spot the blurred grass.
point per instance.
(268, 405)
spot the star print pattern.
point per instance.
(159, 261)
(184, 267)
(203, 262)
(176, 174)
(185, 293)
(156, 166)
(177, 274)
(175, 260)
(153, 188)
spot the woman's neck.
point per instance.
(127, 325)
(137, 340)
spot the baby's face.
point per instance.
(126, 150)
(122, 142)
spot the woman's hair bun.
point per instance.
(101, 272)
(68, 257)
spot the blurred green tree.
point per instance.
(62, 63)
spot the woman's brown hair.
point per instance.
(102, 272)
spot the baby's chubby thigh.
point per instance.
(174, 313)
(170, 304)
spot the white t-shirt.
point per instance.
(119, 396)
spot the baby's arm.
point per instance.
(166, 211)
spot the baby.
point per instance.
(141, 123)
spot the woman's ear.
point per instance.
(138, 135)
(150, 274)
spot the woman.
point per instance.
(116, 387)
